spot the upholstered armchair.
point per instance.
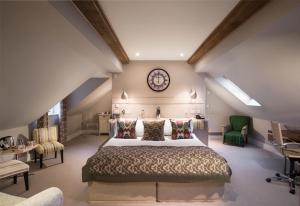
(49, 197)
(46, 138)
(237, 132)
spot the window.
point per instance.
(55, 110)
(237, 92)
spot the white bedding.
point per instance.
(194, 141)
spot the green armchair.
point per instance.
(237, 132)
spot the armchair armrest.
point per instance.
(225, 128)
(244, 130)
(49, 197)
(244, 133)
(289, 144)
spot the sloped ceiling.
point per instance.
(265, 64)
(50, 50)
(92, 98)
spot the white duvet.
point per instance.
(194, 141)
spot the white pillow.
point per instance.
(139, 128)
(167, 128)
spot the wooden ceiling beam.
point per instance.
(238, 15)
(94, 14)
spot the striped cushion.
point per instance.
(45, 148)
(58, 146)
(40, 135)
(12, 167)
(52, 133)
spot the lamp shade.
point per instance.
(193, 94)
(124, 95)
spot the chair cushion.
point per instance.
(12, 167)
(292, 152)
(40, 135)
(238, 122)
(58, 146)
(52, 134)
(45, 148)
(154, 130)
(234, 137)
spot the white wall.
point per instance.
(217, 112)
(262, 58)
(49, 51)
(103, 104)
(174, 101)
(74, 123)
(15, 132)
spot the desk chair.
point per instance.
(290, 151)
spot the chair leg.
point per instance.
(35, 156)
(55, 154)
(26, 181)
(284, 172)
(62, 156)
(41, 160)
(15, 179)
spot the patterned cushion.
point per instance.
(126, 129)
(181, 129)
(154, 130)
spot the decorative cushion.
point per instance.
(154, 130)
(126, 129)
(181, 129)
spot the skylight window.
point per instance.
(237, 92)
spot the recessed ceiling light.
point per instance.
(137, 54)
(181, 54)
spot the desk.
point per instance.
(17, 151)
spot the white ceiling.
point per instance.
(161, 30)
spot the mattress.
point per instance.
(136, 160)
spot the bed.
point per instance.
(169, 170)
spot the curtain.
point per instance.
(42, 122)
(63, 121)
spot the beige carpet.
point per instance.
(250, 167)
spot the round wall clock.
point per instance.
(158, 80)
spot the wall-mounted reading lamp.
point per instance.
(193, 94)
(124, 95)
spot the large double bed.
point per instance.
(169, 170)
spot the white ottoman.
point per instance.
(12, 168)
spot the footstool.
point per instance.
(12, 168)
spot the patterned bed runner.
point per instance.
(151, 163)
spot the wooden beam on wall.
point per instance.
(93, 12)
(238, 15)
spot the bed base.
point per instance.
(148, 192)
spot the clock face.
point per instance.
(158, 80)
